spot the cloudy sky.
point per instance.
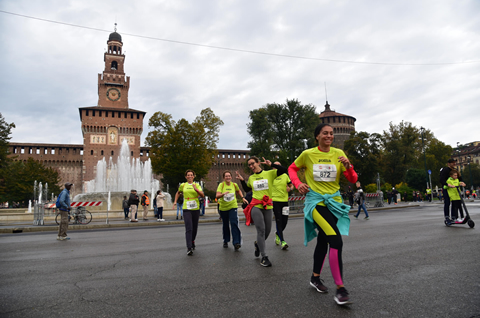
(382, 61)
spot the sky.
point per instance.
(381, 62)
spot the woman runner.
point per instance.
(228, 209)
(191, 208)
(260, 209)
(324, 208)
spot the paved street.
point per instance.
(400, 263)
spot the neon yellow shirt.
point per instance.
(453, 192)
(279, 192)
(228, 201)
(262, 184)
(322, 170)
(190, 196)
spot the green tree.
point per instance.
(364, 152)
(416, 179)
(178, 146)
(279, 131)
(5, 132)
(437, 154)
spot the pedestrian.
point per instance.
(260, 209)
(228, 207)
(64, 207)
(394, 196)
(180, 205)
(125, 206)
(191, 208)
(429, 194)
(324, 209)
(281, 186)
(159, 201)
(389, 197)
(361, 204)
(414, 195)
(452, 183)
(133, 201)
(145, 203)
(350, 196)
(405, 196)
(202, 205)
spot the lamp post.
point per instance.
(470, 170)
(424, 156)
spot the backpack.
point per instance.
(57, 204)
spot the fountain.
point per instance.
(114, 180)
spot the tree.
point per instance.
(364, 152)
(178, 146)
(20, 178)
(279, 131)
(5, 131)
(437, 154)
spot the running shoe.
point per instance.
(317, 283)
(190, 252)
(265, 262)
(277, 239)
(257, 250)
(341, 297)
(225, 245)
(367, 218)
(193, 245)
(355, 216)
(237, 247)
(284, 245)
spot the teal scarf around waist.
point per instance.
(339, 210)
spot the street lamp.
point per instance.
(470, 170)
(424, 156)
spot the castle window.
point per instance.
(113, 114)
(30, 150)
(138, 116)
(114, 65)
(101, 153)
(106, 113)
(53, 151)
(93, 113)
(91, 152)
(131, 153)
(131, 115)
(86, 113)
(45, 151)
(125, 115)
(112, 152)
(81, 152)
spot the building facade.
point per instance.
(342, 125)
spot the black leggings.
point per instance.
(328, 238)
(280, 219)
(190, 218)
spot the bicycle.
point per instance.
(80, 216)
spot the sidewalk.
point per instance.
(99, 220)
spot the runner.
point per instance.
(260, 209)
(324, 208)
(281, 186)
(228, 209)
(191, 208)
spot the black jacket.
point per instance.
(133, 199)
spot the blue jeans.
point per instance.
(231, 217)
(180, 208)
(362, 206)
(202, 208)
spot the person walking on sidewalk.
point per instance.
(145, 203)
(64, 207)
(361, 204)
(281, 186)
(260, 209)
(228, 207)
(191, 208)
(159, 201)
(125, 207)
(133, 201)
(324, 208)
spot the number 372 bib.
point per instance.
(324, 172)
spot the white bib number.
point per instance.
(285, 210)
(229, 197)
(192, 205)
(260, 185)
(324, 172)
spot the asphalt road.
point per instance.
(400, 263)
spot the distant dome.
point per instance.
(115, 37)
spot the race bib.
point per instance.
(285, 210)
(192, 205)
(260, 185)
(229, 197)
(324, 172)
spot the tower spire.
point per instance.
(327, 106)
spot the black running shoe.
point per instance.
(193, 245)
(190, 252)
(265, 262)
(237, 247)
(225, 245)
(257, 250)
(317, 283)
(341, 297)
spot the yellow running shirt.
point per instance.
(279, 193)
(228, 201)
(322, 170)
(261, 184)
(190, 196)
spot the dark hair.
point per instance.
(319, 128)
(254, 158)
(226, 171)
(189, 170)
(158, 192)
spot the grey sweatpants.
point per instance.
(263, 223)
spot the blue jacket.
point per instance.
(339, 210)
(64, 200)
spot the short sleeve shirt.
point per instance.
(228, 201)
(279, 192)
(262, 184)
(190, 196)
(322, 170)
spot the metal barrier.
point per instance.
(296, 204)
(374, 200)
